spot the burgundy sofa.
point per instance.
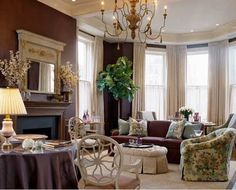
(157, 131)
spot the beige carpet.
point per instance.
(172, 180)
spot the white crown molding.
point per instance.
(96, 27)
(59, 5)
(85, 13)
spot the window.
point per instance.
(155, 82)
(197, 82)
(232, 79)
(85, 75)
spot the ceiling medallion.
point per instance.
(136, 16)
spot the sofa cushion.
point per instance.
(153, 140)
(158, 128)
(172, 143)
(232, 123)
(137, 127)
(123, 127)
(176, 129)
(189, 129)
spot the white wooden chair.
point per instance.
(100, 170)
(76, 130)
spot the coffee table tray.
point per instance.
(137, 145)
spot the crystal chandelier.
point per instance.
(136, 16)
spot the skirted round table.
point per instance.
(52, 169)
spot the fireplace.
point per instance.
(46, 118)
(45, 125)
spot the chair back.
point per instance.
(76, 128)
(147, 115)
(97, 166)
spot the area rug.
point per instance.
(172, 180)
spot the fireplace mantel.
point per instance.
(37, 108)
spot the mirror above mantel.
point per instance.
(45, 59)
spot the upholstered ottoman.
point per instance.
(153, 159)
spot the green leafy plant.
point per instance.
(117, 79)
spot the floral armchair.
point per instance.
(207, 158)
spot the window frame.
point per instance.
(197, 51)
(159, 52)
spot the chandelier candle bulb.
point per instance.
(102, 4)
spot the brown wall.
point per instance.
(111, 55)
(38, 18)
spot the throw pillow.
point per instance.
(137, 127)
(232, 123)
(189, 129)
(123, 127)
(175, 129)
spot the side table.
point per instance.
(207, 125)
(153, 159)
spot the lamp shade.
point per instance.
(11, 102)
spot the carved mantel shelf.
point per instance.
(37, 108)
(45, 108)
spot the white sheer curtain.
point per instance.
(218, 58)
(85, 52)
(138, 103)
(176, 71)
(232, 80)
(97, 101)
(197, 81)
(155, 82)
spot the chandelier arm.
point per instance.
(148, 25)
(122, 25)
(111, 34)
(140, 38)
(160, 30)
(158, 35)
(142, 11)
(125, 7)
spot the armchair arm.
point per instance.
(214, 128)
(194, 140)
(212, 143)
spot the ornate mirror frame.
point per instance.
(42, 49)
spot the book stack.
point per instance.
(56, 144)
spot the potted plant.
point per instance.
(116, 78)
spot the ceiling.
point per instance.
(188, 21)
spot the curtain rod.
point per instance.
(86, 33)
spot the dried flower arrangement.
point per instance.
(15, 69)
(68, 77)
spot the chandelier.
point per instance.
(136, 16)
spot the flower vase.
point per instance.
(67, 96)
(186, 117)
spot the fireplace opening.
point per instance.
(42, 131)
(44, 125)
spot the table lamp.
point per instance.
(11, 103)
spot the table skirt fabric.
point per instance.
(54, 170)
(153, 159)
